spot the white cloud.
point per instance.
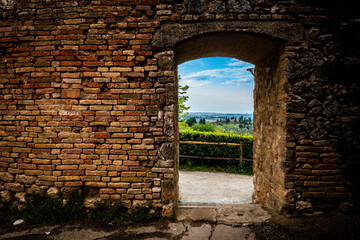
(239, 81)
(194, 83)
(228, 75)
(236, 63)
(227, 88)
(221, 99)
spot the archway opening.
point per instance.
(269, 148)
(215, 131)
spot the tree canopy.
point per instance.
(183, 97)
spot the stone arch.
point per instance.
(265, 51)
(245, 46)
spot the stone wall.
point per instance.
(89, 96)
(270, 143)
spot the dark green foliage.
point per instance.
(144, 213)
(190, 121)
(39, 209)
(202, 121)
(215, 150)
(348, 147)
(239, 125)
(216, 166)
(203, 127)
(183, 97)
(109, 210)
(8, 212)
(42, 210)
(73, 208)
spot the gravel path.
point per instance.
(215, 188)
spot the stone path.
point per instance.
(214, 188)
(235, 215)
(238, 222)
(194, 223)
(179, 230)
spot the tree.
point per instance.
(182, 99)
(191, 121)
(227, 120)
(204, 127)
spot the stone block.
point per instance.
(95, 184)
(303, 206)
(15, 187)
(6, 196)
(239, 6)
(196, 6)
(25, 179)
(167, 191)
(6, 177)
(53, 192)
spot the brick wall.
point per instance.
(88, 97)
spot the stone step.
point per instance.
(237, 214)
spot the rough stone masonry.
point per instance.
(89, 96)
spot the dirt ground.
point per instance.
(215, 188)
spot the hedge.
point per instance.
(215, 150)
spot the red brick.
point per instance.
(102, 135)
(146, 85)
(46, 167)
(65, 37)
(73, 172)
(107, 190)
(124, 64)
(119, 58)
(88, 58)
(40, 53)
(88, 47)
(150, 2)
(65, 58)
(26, 166)
(73, 184)
(118, 42)
(9, 39)
(93, 63)
(70, 93)
(71, 63)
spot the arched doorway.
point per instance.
(219, 94)
(180, 43)
(269, 116)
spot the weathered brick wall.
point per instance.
(89, 96)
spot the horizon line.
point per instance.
(222, 112)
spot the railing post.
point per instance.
(241, 152)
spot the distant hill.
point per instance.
(211, 115)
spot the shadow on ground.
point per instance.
(327, 226)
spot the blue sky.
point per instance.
(218, 84)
